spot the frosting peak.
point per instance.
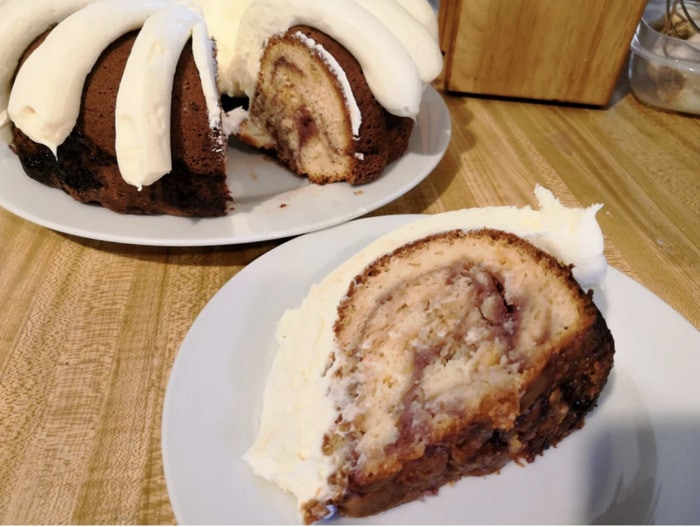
(144, 98)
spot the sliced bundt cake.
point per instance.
(335, 87)
(455, 354)
(117, 102)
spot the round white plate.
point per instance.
(269, 201)
(636, 460)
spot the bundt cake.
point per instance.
(117, 102)
(442, 350)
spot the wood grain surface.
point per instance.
(554, 50)
(89, 330)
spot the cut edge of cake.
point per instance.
(455, 354)
(312, 109)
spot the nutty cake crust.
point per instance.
(486, 305)
(87, 168)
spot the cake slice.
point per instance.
(455, 354)
(442, 350)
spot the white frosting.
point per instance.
(423, 12)
(415, 36)
(296, 411)
(222, 18)
(350, 102)
(391, 73)
(145, 94)
(20, 23)
(202, 53)
(232, 120)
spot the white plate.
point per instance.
(270, 202)
(636, 460)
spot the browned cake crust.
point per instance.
(298, 113)
(543, 354)
(87, 166)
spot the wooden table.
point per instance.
(89, 330)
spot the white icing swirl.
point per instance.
(144, 98)
(389, 69)
(20, 23)
(222, 18)
(411, 32)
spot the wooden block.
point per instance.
(558, 50)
